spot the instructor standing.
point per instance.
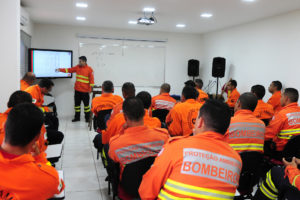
(83, 86)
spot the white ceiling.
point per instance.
(117, 13)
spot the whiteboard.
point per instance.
(140, 62)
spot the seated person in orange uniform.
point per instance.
(202, 166)
(275, 88)
(182, 117)
(138, 141)
(233, 94)
(107, 100)
(21, 176)
(202, 95)
(163, 100)
(263, 111)
(27, 80)
(246, 132)
(116, 126)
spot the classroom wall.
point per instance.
(257, 53)
(28, 27)
(10, 50)
(180, 48)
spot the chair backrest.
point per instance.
(100, 119)
(161, 114)
(292, 149)
(133, 174)
(266, 121)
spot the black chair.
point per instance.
(292, 148)
(101, 118)
(161, 114)
(250, 174)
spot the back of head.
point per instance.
(145, 97)
(108, 86)
(190, 83)
(166, 88)
(259, 91)
(128, 89)
(23, 124)
(216, 115)
(19, 97)
(189, 92)
(83, 58)
(277, 85)
(46, 83)
(133, 109)
(292, 94)
(233, 83)
(248, 101)
(29, 77)
(199, 83)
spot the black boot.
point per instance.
(77, 117)
(87, 116)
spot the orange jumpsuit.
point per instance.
(284, 125)
(116, 110)
(197, 167)
(163, 101)
(233, 96)
(84, 77)
(37, 97)
(263, 110)
(25, 179)
(24, 85)
(202, 96)
(293, 174)
(275, 101)
(182, 117)
(106, 101)
(245, 132)
(116, 126)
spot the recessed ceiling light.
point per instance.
(180, 25)
(149, 9)
(206, 15)
(81, 5)
(80, 18)
(132, 22)
(249, 1)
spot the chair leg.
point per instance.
(108, 187)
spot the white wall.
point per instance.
(257, 53)
(28, 27)
(10, 50)
(180, 48)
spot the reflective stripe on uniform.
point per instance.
(84, 77)
(67, 71)
(294, 181)
(166, 196)
(247, 146)
(42, 109)
(82, 81)
(267, 192)
(287, 134)
(92, 85)
(194, 191)
(87, 109)
(246, 130)
(270, 190)
(77, 108)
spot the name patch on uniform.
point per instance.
(293, 118)
(247, 130)
(210, 165)
(161, 104)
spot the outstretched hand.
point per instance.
(295, 162)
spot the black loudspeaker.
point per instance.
(218, 68)
(193, 67)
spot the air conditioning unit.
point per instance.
(24, 20)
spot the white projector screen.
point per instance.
(142, 63)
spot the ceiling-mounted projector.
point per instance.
(147, 20)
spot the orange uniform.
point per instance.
(233, 96)
(116, 110)
(116, 125)
(163, 101)
(37, 97)
(3, 118)
(25, 179)
(84, 77)
(284, 125)
(293, 174)
(24, 85)
(263, 110)
(106, 101)
(275, 101)
(197, 167)
(182, 117)
(202, 96)
(245, 132)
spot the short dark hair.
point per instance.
(146, 98)
(259, 91)
(107, 86)
(24, 123)
(216, 115)
(233, 83)
(292, 94)
(190, 92)
(46, 83)
(165, 87)
(133, 109)
(277, 84)
(83, 58)
(19, 97)
(190, 83)
(199, 83)
(129, 89)
(248, 101)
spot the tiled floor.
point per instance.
(83, 174)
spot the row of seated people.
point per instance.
(246, 132)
